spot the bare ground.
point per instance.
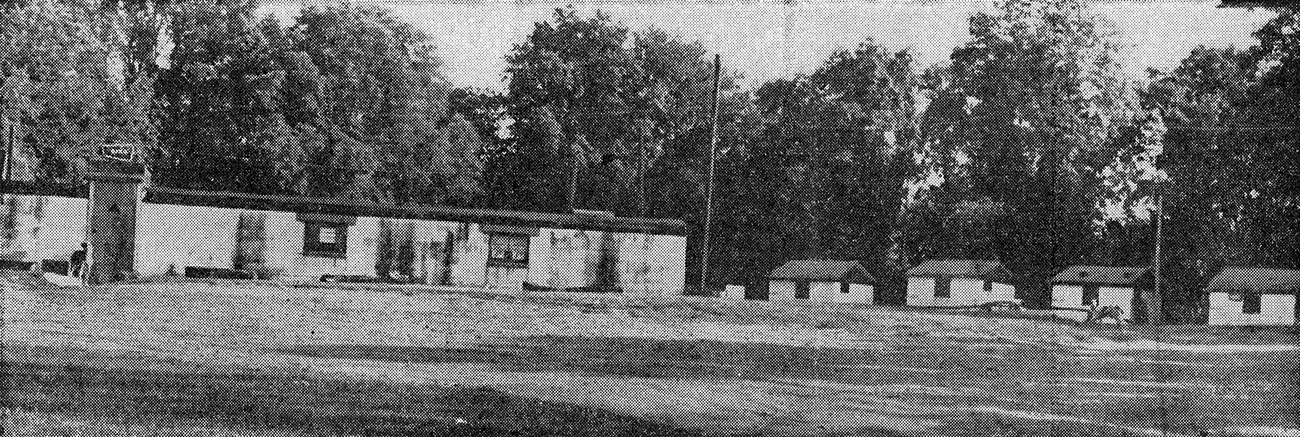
(260, 359)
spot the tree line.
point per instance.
(1032, 144)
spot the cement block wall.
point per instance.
(41, 227)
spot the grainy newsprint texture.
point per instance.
(262, 218)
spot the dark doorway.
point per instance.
(1250, 303)
(801, 289)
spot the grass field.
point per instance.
(199, 358)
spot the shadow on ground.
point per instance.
(274, 401)
(667, 358)
(168, 394)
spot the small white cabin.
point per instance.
(958, 283)
(1253, 296)
(1077, 287)
(821, 281)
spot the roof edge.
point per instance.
(305, 204)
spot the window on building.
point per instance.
(943, 287)
(508, 250)
(325, 235)
(844, 287)
(988, 287)
(1090, 293)
(323, 239)
(802, 289)
(1250, 303)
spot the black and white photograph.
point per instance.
(730, 218)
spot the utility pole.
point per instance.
(572, 192)
(642, 169)
(7, 135)
(708, 196)
(1155, 302)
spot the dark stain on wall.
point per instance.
(250, 244)
(395, 250)
(608, 271)
(9, 235)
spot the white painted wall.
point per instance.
(652, 264)
(1274, 309)
(964, 292)
(646, 264)
(733, 292)
(44, 227)
(920, 291)
(1071, 296)
(172, 237)
(819, 291)
(858, 293)
(780, 290)
(176, 236)
(1000, 292)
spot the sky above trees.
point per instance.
(765, 40)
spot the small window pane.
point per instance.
(943, 287)
(327, 235)
(1250, 303)
(508, 248)
(1090, 294)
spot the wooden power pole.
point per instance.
(1155, 302)
(708, 196)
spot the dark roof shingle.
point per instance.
(1100, 275)
(1255, 279)
(820, 269)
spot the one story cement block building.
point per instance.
(137, 229)
(821, 280)
(1075, 288)
(1253, 296)
(958, 283)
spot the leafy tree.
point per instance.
(221, 100)
(621, 101)
(62, 90)
(1207, 182)
(827, 172)
(1041, 107)
(1268, 114)
(346, 102)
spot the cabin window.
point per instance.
(988, 287)
(508, 250)
(328, 240)
(943, 287)
(844, 287)
(1250, 303)
(1090, 293)
(801, 289)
